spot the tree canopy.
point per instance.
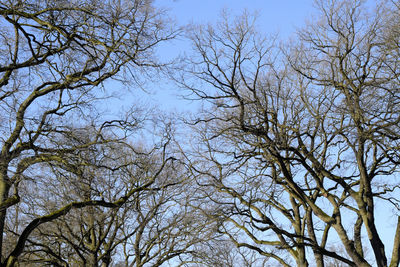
(295, 147)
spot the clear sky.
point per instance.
(274, 16)
(282, 15)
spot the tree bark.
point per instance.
(4, 190)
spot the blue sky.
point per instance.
(274, 16)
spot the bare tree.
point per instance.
(153, 226)
(296, 145)
(55, 58)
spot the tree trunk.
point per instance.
(4, 190)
